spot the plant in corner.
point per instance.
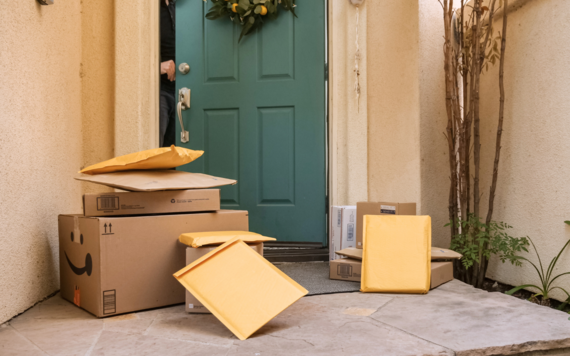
(546, 278)
(470, 47)
(477, 241)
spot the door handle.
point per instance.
(183, 104)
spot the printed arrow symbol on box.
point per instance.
(110, 226)
(105, 227)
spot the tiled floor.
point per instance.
(454, 319)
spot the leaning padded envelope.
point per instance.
(198, 239)
(241, 288)
(156, 158)
(397, 254)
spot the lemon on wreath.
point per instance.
(263, 11)
(234, 7)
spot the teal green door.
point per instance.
(258, 112)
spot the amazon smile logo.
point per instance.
(80, 270)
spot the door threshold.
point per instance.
(276, 251)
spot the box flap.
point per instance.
(354, 253)
(152, 180)
(241, 288)
(437, 253)
(198, 239)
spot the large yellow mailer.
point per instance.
(397, 254)
(157, 158)
(198, 239)
(241, 288)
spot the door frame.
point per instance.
(137, 79)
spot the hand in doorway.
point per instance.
(168, 68)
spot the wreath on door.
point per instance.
(250, 14)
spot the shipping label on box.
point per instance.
(146, 203)
(193, 305)
(115, 265)
(348, 227)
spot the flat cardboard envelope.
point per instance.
(156, 158)
(153, 180)
(437, 253)
(241, 288)
(396, 254)
(198, 239)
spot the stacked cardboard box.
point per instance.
(120, 255)
(346, 255)
(342, 231)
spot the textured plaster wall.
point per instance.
(348, 124)
(434, 171)
(393, 101)
(136, 75)
(98, 84)
(40, 144)
(533, 189)
(407, 159)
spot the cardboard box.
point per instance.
(115, 265)
(345, 269)
(146, 203)
(342, 232)
(193, 305)
(153, 180)
(381, 208)
(348, 269)
(441, 272)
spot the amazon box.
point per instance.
(146, 203)
(115, 265)
(193, 305)
(348, 269)
(382, 208)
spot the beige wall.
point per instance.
(98, 83)
(58, 100)
(533, 189)
(406, 108)
(348, 123)
(40, 145)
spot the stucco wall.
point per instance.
(40, 144)
(406, 108)
(348, 123)
(98, 84)
(533, 190)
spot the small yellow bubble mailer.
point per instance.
(157, 158)
(198, 239)
(241, 288)
(396, 256)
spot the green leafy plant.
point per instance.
(477, 241)
(546, 278)
(250, 14)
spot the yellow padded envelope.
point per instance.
(241, 288)
(198, 239)
(156, 158)
(397, 254)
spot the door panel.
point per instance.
(258, 112)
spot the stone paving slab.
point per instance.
(474, 322)
(454, 319)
